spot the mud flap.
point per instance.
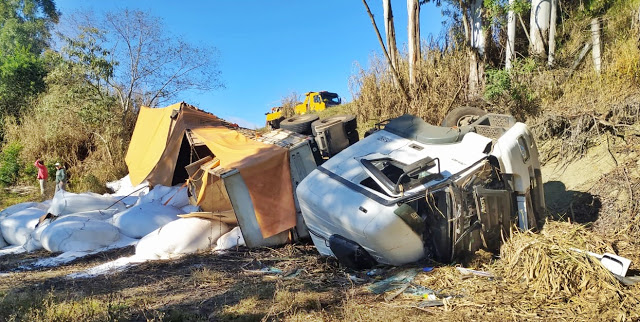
(494, 209)
(350, 254)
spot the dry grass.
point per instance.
(441, 85)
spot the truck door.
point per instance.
(317, 102)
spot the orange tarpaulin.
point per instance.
(264, 169)
(148, 141)
(155, 145)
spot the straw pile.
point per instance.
(549, 264)
(538, 277)
(547, 269)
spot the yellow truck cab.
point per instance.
(313, 101)
(317, 101)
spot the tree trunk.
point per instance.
(390, 33)
(476, 51)
(539, 25)
(476, 73)
(478, 37)
(394, 71)
(595, 40)
(413, 8)
(511, 37)
(552, 32)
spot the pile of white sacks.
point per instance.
(88, 223)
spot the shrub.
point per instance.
(10, 164)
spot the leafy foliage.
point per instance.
(10, 164)
(27, 24)
(21, 79)
(511, 88)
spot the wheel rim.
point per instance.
(467, 120)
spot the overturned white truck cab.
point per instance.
(413, 190)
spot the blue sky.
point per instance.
(270, 49)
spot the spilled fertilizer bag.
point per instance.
(230, 240)
(77, 234)
(17, 228)
(144, 218)
(179, 237)
(15, 208)
(65, 203)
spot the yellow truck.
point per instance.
(313, 101)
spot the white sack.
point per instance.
(95, 214)
(65, 203)
(15, 208)
(44, 205)
(34, 239)
(3, 243)
(155, 194)
(144, 218)
(176, 197)
(78, 234)
(123, 187)
(183, 236)
(231, 239)
(17, 228)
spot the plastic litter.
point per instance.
(617, 265)
(466, 273)
(397, 281)
(257, 267)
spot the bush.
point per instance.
(511, 89)
(10, 164)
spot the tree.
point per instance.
(539, 25)
(21, 79)
(24, 34)
(151, 65)
(390, 33)
(394, 71)
(511, 36)
(552, 32)
(26, 23)
(475, 34)
(156, 66)
(413, 28)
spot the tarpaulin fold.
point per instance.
(155, 145)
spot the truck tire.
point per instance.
(348, 121)
(462, 116)
(353, 137)
(274, 124)
(299, 123)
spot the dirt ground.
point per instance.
(595, 191)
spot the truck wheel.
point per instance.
(349, 123)
(353, 137)
(462, 116)
(299, 123)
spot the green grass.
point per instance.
(11, 198)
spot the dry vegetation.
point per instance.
(537, 276)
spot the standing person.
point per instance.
(43, 174)
(61, 177)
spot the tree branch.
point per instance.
(386, 54)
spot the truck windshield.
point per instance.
(395, 176)
(330, 98)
